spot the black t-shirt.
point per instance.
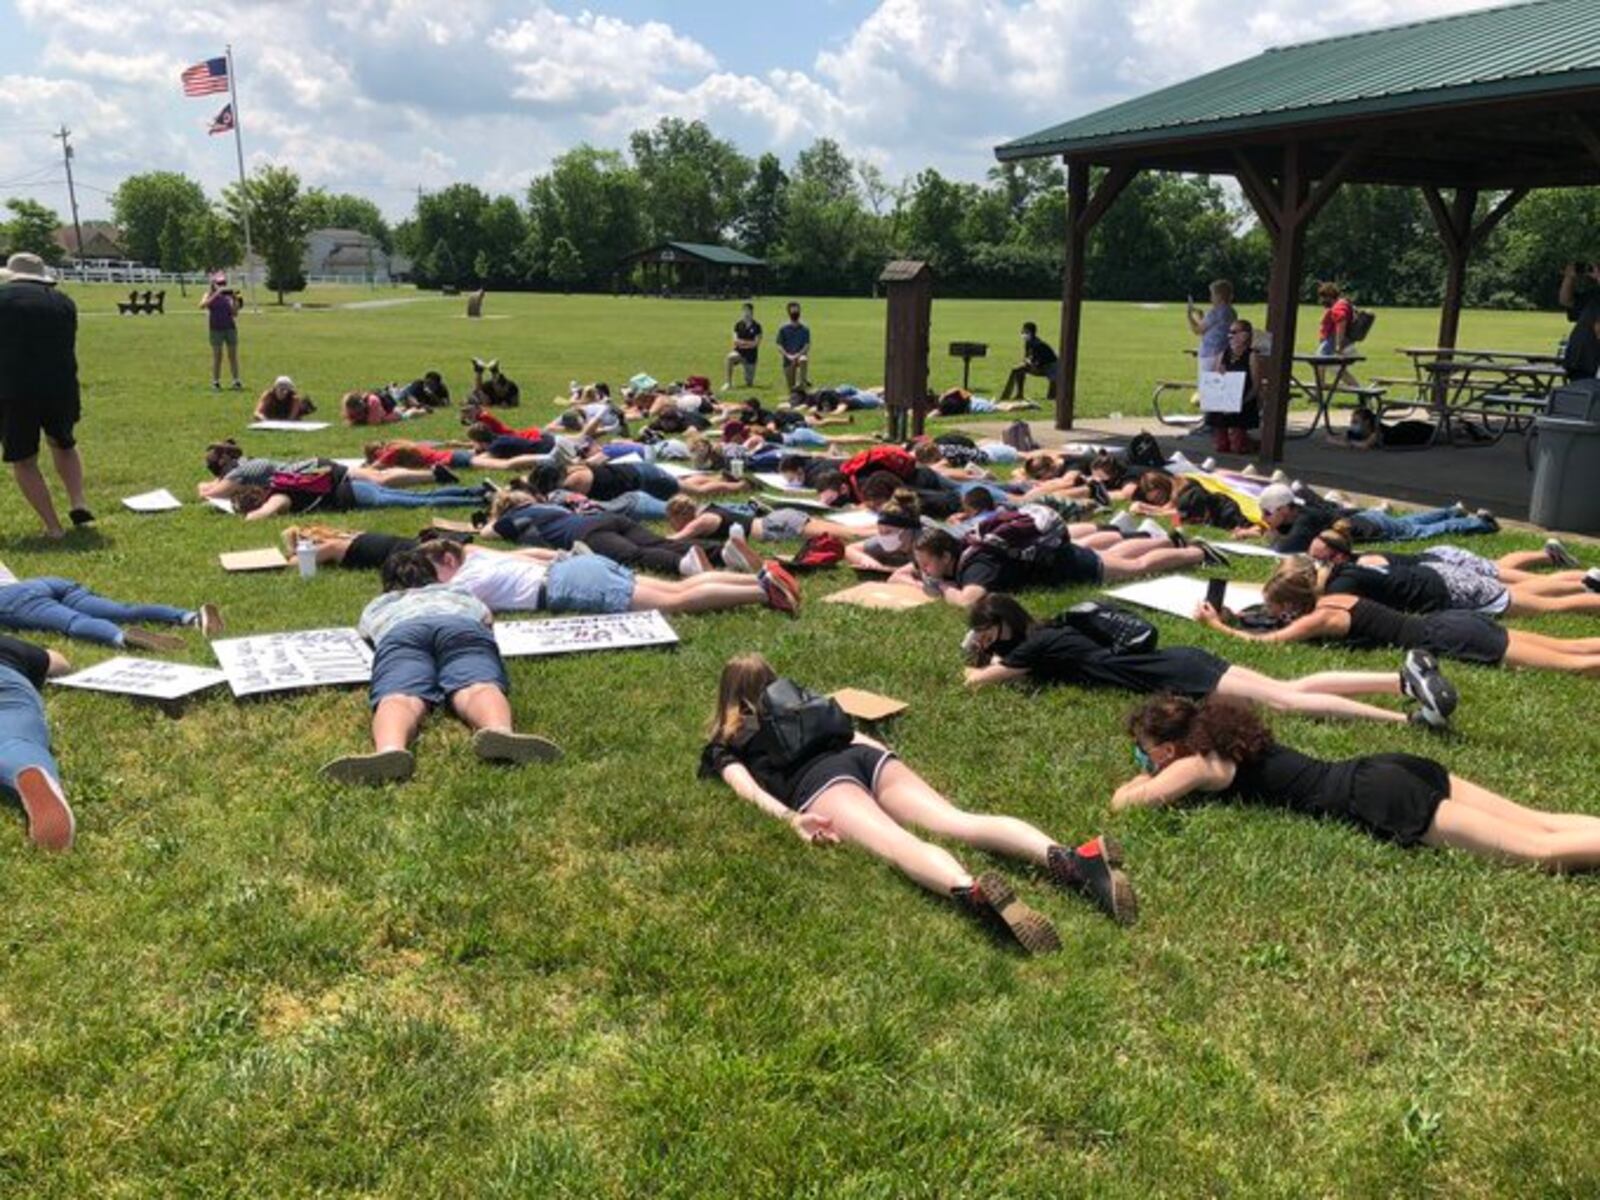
(369, 551)
(38, 340)
(1063, 655)
(1403, 586)
(747, 331)
(727, 518)
(1582, 357)
(30, 661)
(1037, 352)
(1312, 520)
(815, 468)
(996, 571)
(612, 481)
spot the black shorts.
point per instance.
(1465, 637)
(22, 421)
(1395, 796)
(1078, 564)
(369, 551)
(858, 764)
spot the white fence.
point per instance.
(151, 277)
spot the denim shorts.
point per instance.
(588, 584)
(783, 523)
(461, 459)
(433, 658)
(663, 485)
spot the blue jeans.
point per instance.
(61, 606)
(804, 435)
(375, 495)
(24, 736)
(641, 506)
(1001, 496)
(663, 485)
(433, 658)
(1410, 527)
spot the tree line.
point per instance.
(827, 223)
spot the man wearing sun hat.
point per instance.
(222, 306)
(39, 386)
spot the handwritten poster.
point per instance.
(143, 677)
(289, 426)
(303, 658)
(1222, 391)
(1180, 595)
(569, 635)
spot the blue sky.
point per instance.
(382, 96)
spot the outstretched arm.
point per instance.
(1319, 622)
(1196, 773)
(809, 827)
(977, 677)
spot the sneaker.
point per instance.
(1123, 523)
(737, 555)
(777, 597)
(1424, 682)
(1338, 498)
(1213, 556)
(209, 620)
(992, 900)
(216, 385)
(1489, 519)
(1558, 554)
(579, 549)
(1591, 579)
(1426, 718)
(1098, 493)
(51, 825)
(81, 516)
(1179, 538)
(492, 366)
(502, 745)
(1459, 509)
(384, 766)
(443, 474)
(1279, 476)
(778, 577)
(694, 562)
(477, 366)
(237, 386)
(1090, 871)
(144, 639)
(1150, 527)
(1209, 464)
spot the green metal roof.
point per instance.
(721, 255)
(1517, 50)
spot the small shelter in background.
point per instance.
(1488, 104)
(909, 288)
(101, 240)
(695, 269)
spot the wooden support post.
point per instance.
(1283, 299)
(1072, 293)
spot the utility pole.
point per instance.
(72, 195)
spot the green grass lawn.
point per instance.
(603, 978)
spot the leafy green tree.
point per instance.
(31, 230)
(440, 267)
(693, 181)
(593, 199)
(142, 203)
(830, 242)
(566, 267)
(278, 225)
(214, 241)
(326, 210)
(765, 199)
(175, 249)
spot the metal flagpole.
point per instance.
(244, 193)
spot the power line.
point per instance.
(72, 195)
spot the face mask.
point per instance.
(1143, 761)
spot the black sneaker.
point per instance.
(1091, 872)
(1558, 554)
(1213, 556)
(1591, 579)
(443, 474)
(1098, 493)
(1489, 519)
(1424, 682)
(1425, 718)
(992, 901)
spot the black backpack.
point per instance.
(797, 724)
(1115, 628)
(1361, 322)
(1145, 451)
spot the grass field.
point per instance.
(603, 978)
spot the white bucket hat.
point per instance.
(28, 266)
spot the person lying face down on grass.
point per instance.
(1158, 494)
(555, 581)
(230, 471)
(1293, 595)
(53, 605)
(327, 486)
(441, 459)
(432, 644)
(283, 402)
(1222, 747)
(846, 787)
(963, 572)
(27, 767)
(743, 523)
(1294, 518)
(380, 406)
(1446, 577)
(1106, 478)
(1005, 644)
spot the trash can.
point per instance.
(1567, 460)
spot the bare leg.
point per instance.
(1521, 561)
(30, 480)
(396, 720)
(1288, 697)
(670, 597)
(1561, 583)
(857, 818)
(483, 706)
(1147, 556)
(233, 361)
(1468, 827)
(1100, 539)
(70, 468)
(1471, 794)
(401, 477)
(909, 800)
(216, 364)
(1524, 603)
(1524, 651)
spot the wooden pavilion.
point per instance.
(1485, 105)
(696, 269)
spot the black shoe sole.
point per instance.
(1032, 930)
(1425, 683)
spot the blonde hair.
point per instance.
(680, 511)
(744, 678)
(507, 500)
(318, 535)
(1293, 586)
(1222, 290)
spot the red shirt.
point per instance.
(1336, 314)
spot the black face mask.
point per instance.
(1001, 647)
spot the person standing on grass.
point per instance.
(1037, 359)
(794, 343)
(39, 387)
(1222, 747)
(27, 767)
(433, 643)
(222, 304)
(833, 785)
(746, 347)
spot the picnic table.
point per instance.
(1504, 389)
(1325, 382)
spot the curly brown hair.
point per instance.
(1230, 728)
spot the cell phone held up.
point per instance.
(1216, 593)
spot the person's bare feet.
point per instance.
(51, 825)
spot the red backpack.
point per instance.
(869, 462)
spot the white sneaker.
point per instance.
(1280, 476)
(695, 562)
(1338, 498)
(1210, 464)
(1154, 528)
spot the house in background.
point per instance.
(101, 240)
(346, 254)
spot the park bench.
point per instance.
(147, 302)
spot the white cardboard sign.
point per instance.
(289, 426)
(302, 658)
(160, 500)
(1222, 391)
(1180, 595)
(568, 635)
(145, 677)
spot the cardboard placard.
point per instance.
(289, 426)
(159, 500)
(1222, 391)
(144, 677)
(268, 558)
(896, 597)
(854, 518)
(1248, 549)
(569, 635)
(678, 469)
(221, 505)
(302, 658)
(868, 706)
(776, 481)
(1180, 595)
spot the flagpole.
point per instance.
(244, 193)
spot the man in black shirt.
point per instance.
(746, 347)
(1582, 356)
(39, 386)
(26, 764)
(1037, 359)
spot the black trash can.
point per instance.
(1566, 462)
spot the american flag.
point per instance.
(206, 78)
(223, 121)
